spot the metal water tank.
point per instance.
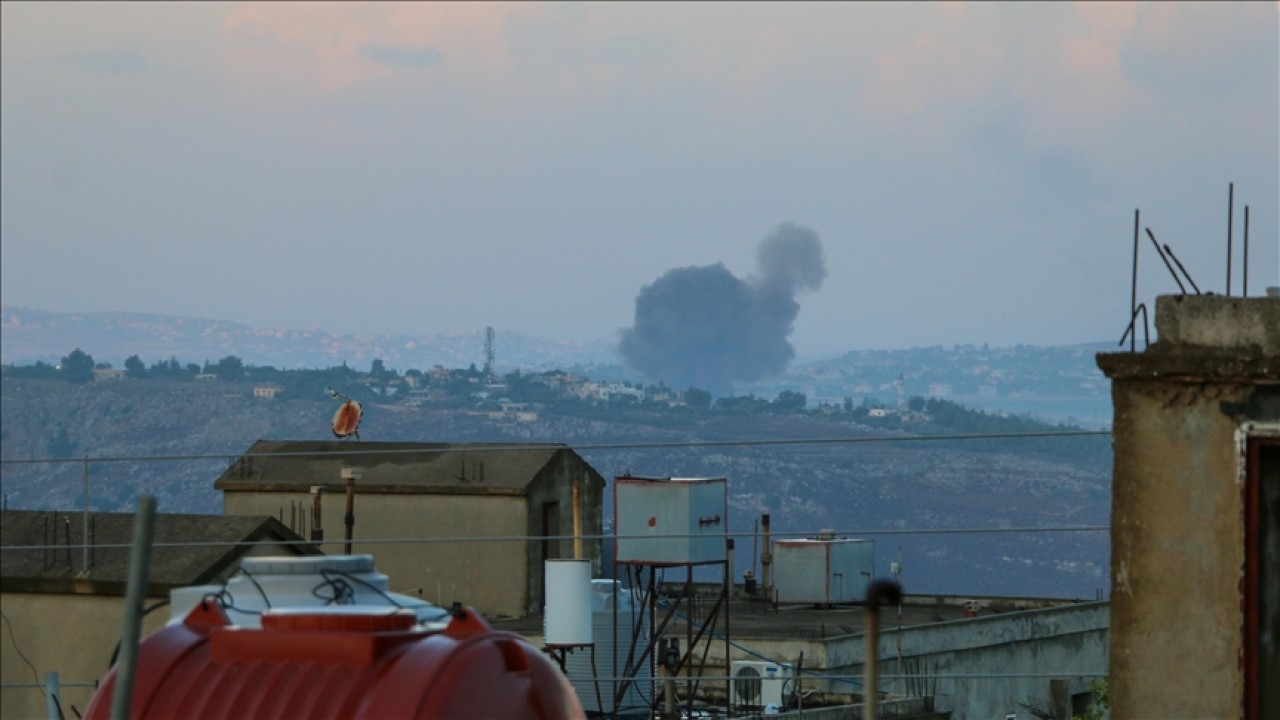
(345, 662)
(567, 613)
(670, 521)
(822, 571)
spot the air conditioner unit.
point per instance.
(759, 683)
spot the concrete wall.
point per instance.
(555, 485)
(73, 635)
(489, 575)
(1035, 644)
(1176, 534)
(1177, 522)
(1010, 658)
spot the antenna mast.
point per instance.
(488, 351)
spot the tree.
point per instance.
(60, 445)
(790, 402)
(41, 371)
(229, 368)
(1099, 705)
(697, 399)
(78, 367)
(134, 367)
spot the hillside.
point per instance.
(1055, 383)
(854, 488)
(32, 335)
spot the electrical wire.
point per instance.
(14, 639)
(116, 653)
(764, 442)
(252, 579)
(527, 538)
(325, 573)
(342, 590)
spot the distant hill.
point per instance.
(1058, 383)
(150, 434)
(31, 335)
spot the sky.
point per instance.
(971, 170)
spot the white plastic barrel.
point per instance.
(567, 615)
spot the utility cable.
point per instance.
(465, 447)
(13, 639)
(527, 538)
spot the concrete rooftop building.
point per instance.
(470, 522)
(1195, 523)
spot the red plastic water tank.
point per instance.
(340, 663)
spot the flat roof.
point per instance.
(759, 619)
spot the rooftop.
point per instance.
(60, 569)
(456, 468)
(750, 619)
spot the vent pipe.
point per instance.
(351, 475)
(766, 556)
(85, 530)
(317, 528)
(577, 520)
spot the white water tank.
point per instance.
(567, 614)
(613, 659)
(301, 582)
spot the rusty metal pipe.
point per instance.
(577, 520)
(351, 475)
(879, 592)
(317, 527)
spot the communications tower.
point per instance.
(488, 351)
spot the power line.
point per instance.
(463, 447)
(527, 538)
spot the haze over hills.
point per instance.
(894, 487)
(30, 335)
(1054, 383)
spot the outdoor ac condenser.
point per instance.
(759, 683)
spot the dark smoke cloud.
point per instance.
(704, 327)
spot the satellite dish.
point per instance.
(346, 421)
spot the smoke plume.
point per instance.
(704, 327)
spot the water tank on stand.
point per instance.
(609, 654)
(670, 521)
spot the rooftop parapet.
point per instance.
(1208, 337)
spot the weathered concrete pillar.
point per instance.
(1186, 410)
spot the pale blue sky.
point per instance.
(971, 169)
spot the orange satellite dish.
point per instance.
(346, 422)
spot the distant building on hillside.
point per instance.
(267, 391)
(446, 501)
